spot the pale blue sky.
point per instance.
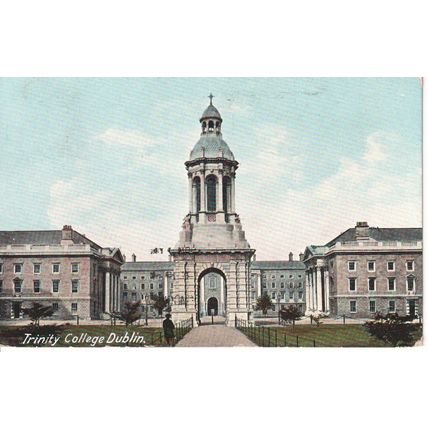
(106, 156)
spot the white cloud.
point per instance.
(375, 150)
(284, 218)
(135, 139)
(142, 207)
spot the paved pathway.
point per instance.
(214, 335)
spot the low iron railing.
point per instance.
(182, 328)
(271, 336)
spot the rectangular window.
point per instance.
(74, 307)
(36, 286)
(1, 286)
(300, 294)
(371, 266)
(55, 286)
(410, 265)
(410, 283)
(18, 268)
(391, 306)
(125, 294)
(282, 285)
(352, 282)
(55, 306)
(161, 285)
(372, 306)
(75, 268)
(1, 267)
(264, 286)
(75, 286)
(55, 268)
(142, 286)
(18, 286)
(391, 284)
(151, 286)
(273, 295)
(372, 284)
(125, 286)
(273, 285)
(291, 295)
(352, 266)
(37, 268)
(134, 296)
(391, 266)
(353, 306)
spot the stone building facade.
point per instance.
(366, 270)
(282, 280)
(61, 268)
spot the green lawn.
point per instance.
(327, 335)
(83, 335)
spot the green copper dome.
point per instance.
(211, 146)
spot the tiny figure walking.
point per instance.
(168, 330)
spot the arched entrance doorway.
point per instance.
(211, 293)
(212, 306)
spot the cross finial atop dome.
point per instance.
(211, 96)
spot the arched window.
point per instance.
(204, 126)
(226, 194)
(217, 124)
(211, 193)
(197, 194)
(210, 125)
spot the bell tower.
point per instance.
(212, 238)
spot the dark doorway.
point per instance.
(16, 308)
(412, 307)
(212, 305)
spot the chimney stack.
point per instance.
(290, 257)
(134, 258)
(301, 255)
(362, 230)
(67, 232)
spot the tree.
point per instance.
(264, 303)
(160, 302)
(38, 311)
(291, 314)
(393, 329)
(130, 313)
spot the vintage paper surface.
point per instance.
(149, 212)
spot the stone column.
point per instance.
(220, 192)
(165, 285)
(232, 193)
(118, 293)
(202, 296)
(107, 293)
(313, 289)
(327, 290)
(203, 201)
(191, 209)
(319, 290)
(307, 291)
(259, 284)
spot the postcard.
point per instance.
(211, 212)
